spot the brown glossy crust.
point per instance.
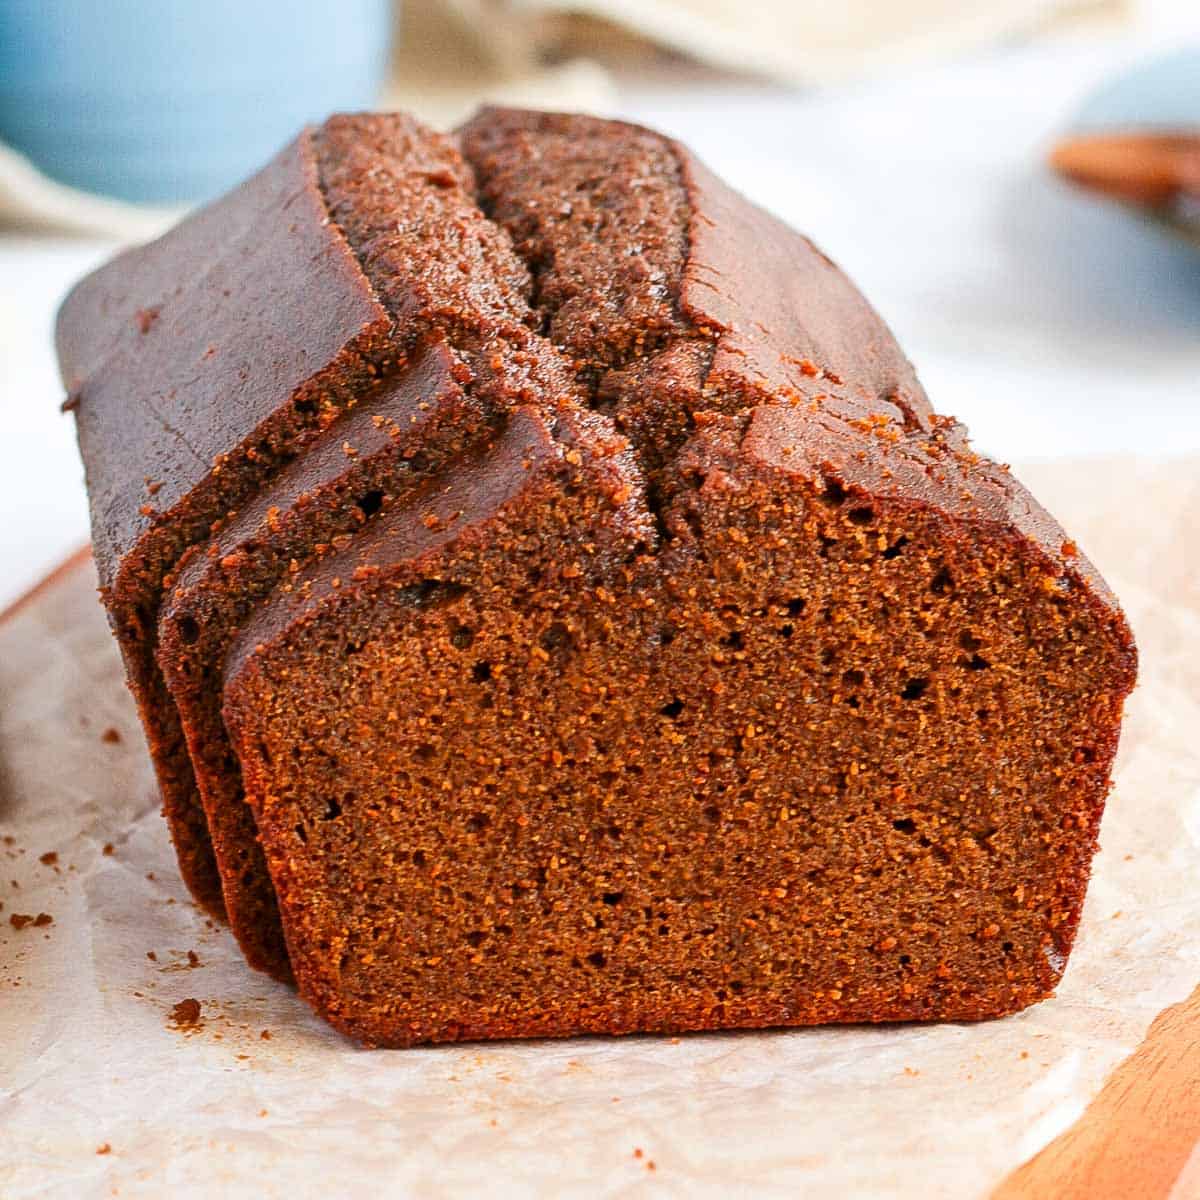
(690, 411)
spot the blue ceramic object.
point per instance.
(1163, 93)
(176, 100)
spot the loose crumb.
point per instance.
(637, 1152)
(108, 850)
(48, 859)
(186, 1014)
(21, 920)
(111, 736)
(104, 1148)
(265, 1035)
(193, 958)
(151, 956)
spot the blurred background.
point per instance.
(1015, 184)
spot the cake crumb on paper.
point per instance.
(186, 1014)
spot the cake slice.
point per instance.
(354, 470)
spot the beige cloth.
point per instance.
(454, 54)
(99, 1095)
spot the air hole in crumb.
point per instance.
(796, 607)
(834, 492)
(941, 583)
(189, 630)
(905, 825)
(556, 637)
(481, 672)
(905, 959)
(612, 897)
(914, 689)
(853, 679)
(371, 503)
(666, 635)
(475, 938)
(333, 810)
(419, 859)
(712, 814)
(302, 834)
(691, 518)
(893, 551)
(597, 959)
(861, 516)
(969, 642)
(1007, 947)
(424, 752)
(673, 709)
(735, 640)
(786, 631)
(462, 637)
(478, 821)
(976, 663)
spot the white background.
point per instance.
(1050, 324)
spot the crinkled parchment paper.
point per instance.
(100, 1094)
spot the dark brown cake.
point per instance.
(681, 670)
(350, 472)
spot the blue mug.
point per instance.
(173, 101)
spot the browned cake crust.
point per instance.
(682, 670)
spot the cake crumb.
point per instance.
(265, 1035)
(637, 1152)
(107, 850)
(151, 956)
(48, 859)
(21, 920)
(186, 1014)
(193, 958)
(111, 736)
(104, 1148)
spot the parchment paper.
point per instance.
(101, 1095)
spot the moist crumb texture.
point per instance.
(555, 607)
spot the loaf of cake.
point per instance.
(554, 606)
